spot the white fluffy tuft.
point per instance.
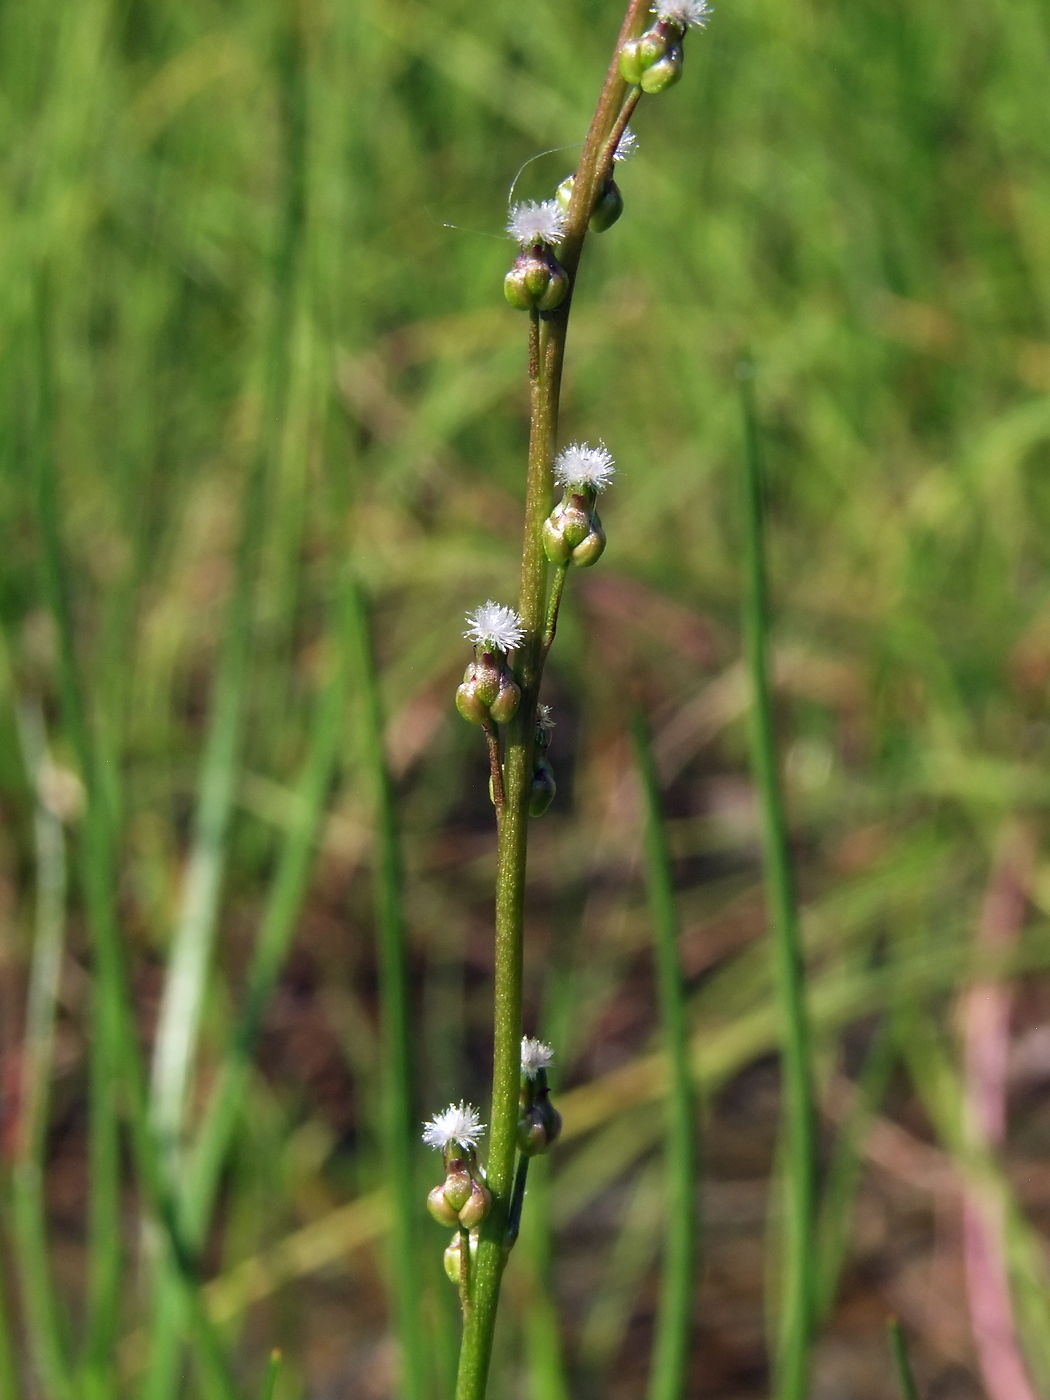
(531, 223)
(494, 625)
(460, 1123)
(690, 14)
(579, 464)
(626, 146)
(535, 1055)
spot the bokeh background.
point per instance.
(253, 337)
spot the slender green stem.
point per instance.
(517, 1200)
(901, 1361)
(798, 1291)
(554, 606)
(399, 1136)
(43, 1314)
(667, 1375)
(546, 358)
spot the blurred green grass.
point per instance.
(858, 192)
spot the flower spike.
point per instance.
(460, 1123)
(494, 627)
(531, 223)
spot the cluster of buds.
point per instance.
(573, 532)
(537, 281)
(462, 1200)
(539, 1122)
(609, 204)
(489, 693)
(544, 787)
(653, 61)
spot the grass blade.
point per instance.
(667, 1378)
(222, 1113)
(44, 1326)
(846, 1167)
(273, 1371)
(798, 1292)
(901, 1361)
(398, 1118)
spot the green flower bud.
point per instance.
(591, 549)
(543, 789)
(477, 1206)
(664, 73)
(539, 1125)
(454, 1254)
(568, 525)
(608, 208)
(631, 67)
(440, 1209)
(537, 281)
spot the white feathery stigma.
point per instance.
(579, 464)
(535, 1055)
(544, 720)
(494, 625)
(460, 1123)
(626, 146)
(690, 14)
(531, 223)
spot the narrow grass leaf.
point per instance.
(798, 1291)
(667, 1378)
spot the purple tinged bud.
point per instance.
(536, 281)
(505, 706)
(457, 1187)
(477, 1206)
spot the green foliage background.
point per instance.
(252, 258)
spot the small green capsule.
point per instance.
(631, 67)
(452, 1261)
(543, 790)
(440, 1209)
(505, 706)
(608, 208)
(563, 194)
(590, 550)
(477, 1207)
(665, 73)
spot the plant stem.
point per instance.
(798, 1291)
(554, 606)
(667, 1374)
(546, 357)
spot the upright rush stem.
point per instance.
(546, 358)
